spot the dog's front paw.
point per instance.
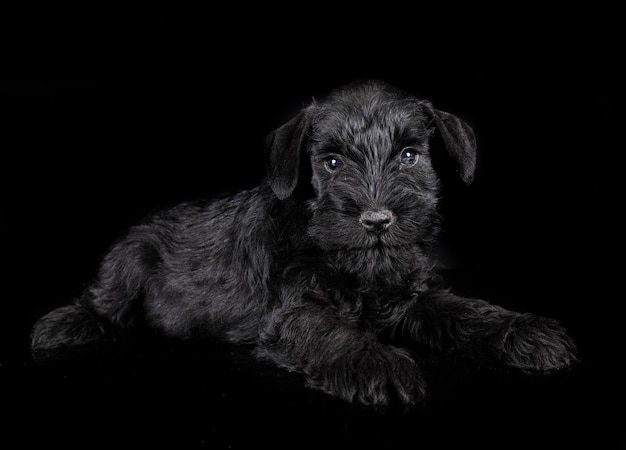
(379, 375)
(532, 342)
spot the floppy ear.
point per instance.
(459, 141)
(283, 148)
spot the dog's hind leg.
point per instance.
(109, 306)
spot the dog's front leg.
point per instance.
(339, 359)
(486, 332)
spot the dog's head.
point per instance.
(372, 171)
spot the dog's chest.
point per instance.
(370, 306)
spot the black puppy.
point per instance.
(338, 284)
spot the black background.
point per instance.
(107, 118)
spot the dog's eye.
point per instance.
(409, 156)
(332, 163)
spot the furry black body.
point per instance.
(325, 267)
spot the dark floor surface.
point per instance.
(147, 392)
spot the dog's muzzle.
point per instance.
(377, 220)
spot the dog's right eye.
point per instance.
(409, 156)
(332, 163)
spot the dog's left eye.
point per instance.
(409, 156)
(332, 163)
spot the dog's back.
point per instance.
(197, 269)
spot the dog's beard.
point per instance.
(394, 252)
(376, 263)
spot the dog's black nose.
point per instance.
(377, 220)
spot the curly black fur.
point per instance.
(338, 284)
